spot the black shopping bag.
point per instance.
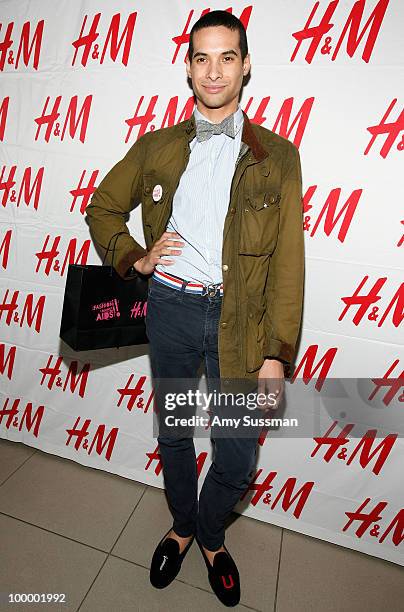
(101, 309)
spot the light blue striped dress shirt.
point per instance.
(200, 205)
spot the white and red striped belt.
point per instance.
(178, 283)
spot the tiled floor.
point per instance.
(65, 528)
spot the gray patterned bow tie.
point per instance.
(204, 129)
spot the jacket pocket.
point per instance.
(260, 223)
(255, 332)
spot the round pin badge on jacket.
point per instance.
(157, 193)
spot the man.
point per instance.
(222, 219)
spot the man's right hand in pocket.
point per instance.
(146, 264)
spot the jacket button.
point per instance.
(246, 210)
(148, 190)
(225, 267)
(224, 324)
(250, 314)
(232, 210)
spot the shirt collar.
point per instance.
(238, 118)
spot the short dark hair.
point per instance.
(219, 18)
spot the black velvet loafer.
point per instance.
(166, 561)
(223, 577)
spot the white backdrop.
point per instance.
(327, 75)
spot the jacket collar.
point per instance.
(247, 136)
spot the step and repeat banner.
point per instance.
(80, 83)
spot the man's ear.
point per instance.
(246, 65)
(188, 68)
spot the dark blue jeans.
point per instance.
(183, 331)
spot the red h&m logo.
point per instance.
(26, 45)
(72, 121)
(317, 33)
(112, 43)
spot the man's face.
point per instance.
(216, 69)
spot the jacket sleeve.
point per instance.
(117, 194)
(284, 291)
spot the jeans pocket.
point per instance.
(162, 293)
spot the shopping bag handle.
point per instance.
(113, 251)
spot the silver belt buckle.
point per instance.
(210, 290)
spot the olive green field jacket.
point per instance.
(263, 240)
